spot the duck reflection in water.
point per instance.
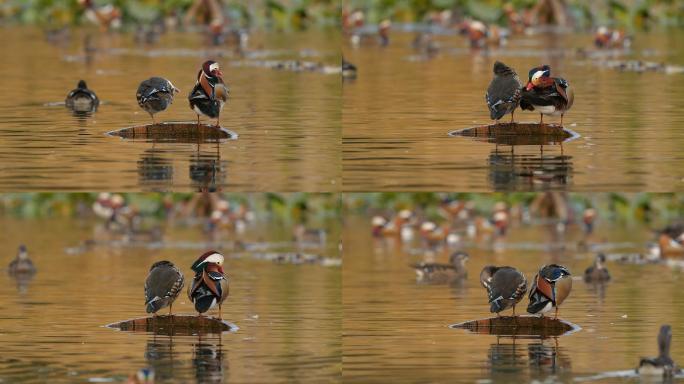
(161, 356)
(513, 171)
(207, 171)
(543, 357)
(506, 358)
(208, 361)
(154, 170)
(548, 357)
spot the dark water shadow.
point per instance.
(518, 134)
(176, 325)
(175, 132)
(154, 171)
(207, 171)
(519, 327)
(511, 171)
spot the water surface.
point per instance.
(51, 327)
(394, 327)
(397, 113)
(288, 123)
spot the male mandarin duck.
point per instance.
(611, 38)
(209, 287)
(82, 99)
(548, 95)
(21, 265)
(550, 287)
(597, 273)
(162, 286)
(383, 32)
(663, 365)
(588, 218)
(505, 286)
(503, 93)
(436, 273)
(155, 95)
(210, 93)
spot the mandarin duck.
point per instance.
(588, 218)
(143, 376)
(210, 93)
(162, 286)
(550, 287)
(82, 99)
(548, 95)
(611, 38)
(505, 286)
(597, 273)
(209, 287)
(503, 93)
(22, 264)
(155, 95)
(663, 365)
(435, 273)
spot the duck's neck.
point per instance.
(664, 346)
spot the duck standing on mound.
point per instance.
(503, 93)
(550, 287)
(545, 94)
(163, 284)
(210, 93)
(155, 95)
(663, 365)
(82, 99)
(209, 287)
(505, 286)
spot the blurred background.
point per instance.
(92, 253)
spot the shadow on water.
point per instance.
(207, 171)
(525, 170)
(208, 358)
(509, 358)
(153, 170)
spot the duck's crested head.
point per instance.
(537, 75)
(600, 259)
(554, 272)
(22, 252)
(212, 69)
(207, 258)
(82, 84)
(459, 257)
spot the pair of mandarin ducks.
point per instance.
(208, 290)
(543, 93)
(506, 286)
(206, 98)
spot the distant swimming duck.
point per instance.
(663, 365)
(598, 272)
(435, 273)
(155, 95)
(348, 70)
(383, 32)
(21, 265)
(550, 287)
(611, 38)
(545, 94)
(505, 286)
(209, 287)
(143, 376)
(163, 284)
(503, 93)
(82, 99)
(210, 93)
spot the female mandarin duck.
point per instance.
(550, 287)
(435, 273)
(598, 272)
(210, 93)
(663, 365)
(21, 265)
(505, 286)
(163, 284)
(548, 95)
(82, 99)
(209, 287)
(503, 94)
(155, 95)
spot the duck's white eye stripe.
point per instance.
(213, 67)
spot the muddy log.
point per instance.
(519, 326)
(178, 132)
(518, 133)
(184, 325)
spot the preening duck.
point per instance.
(550, 287)
(155, 95)
(545, 94)
(163, 284)
(503, 93)
(505, 286)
